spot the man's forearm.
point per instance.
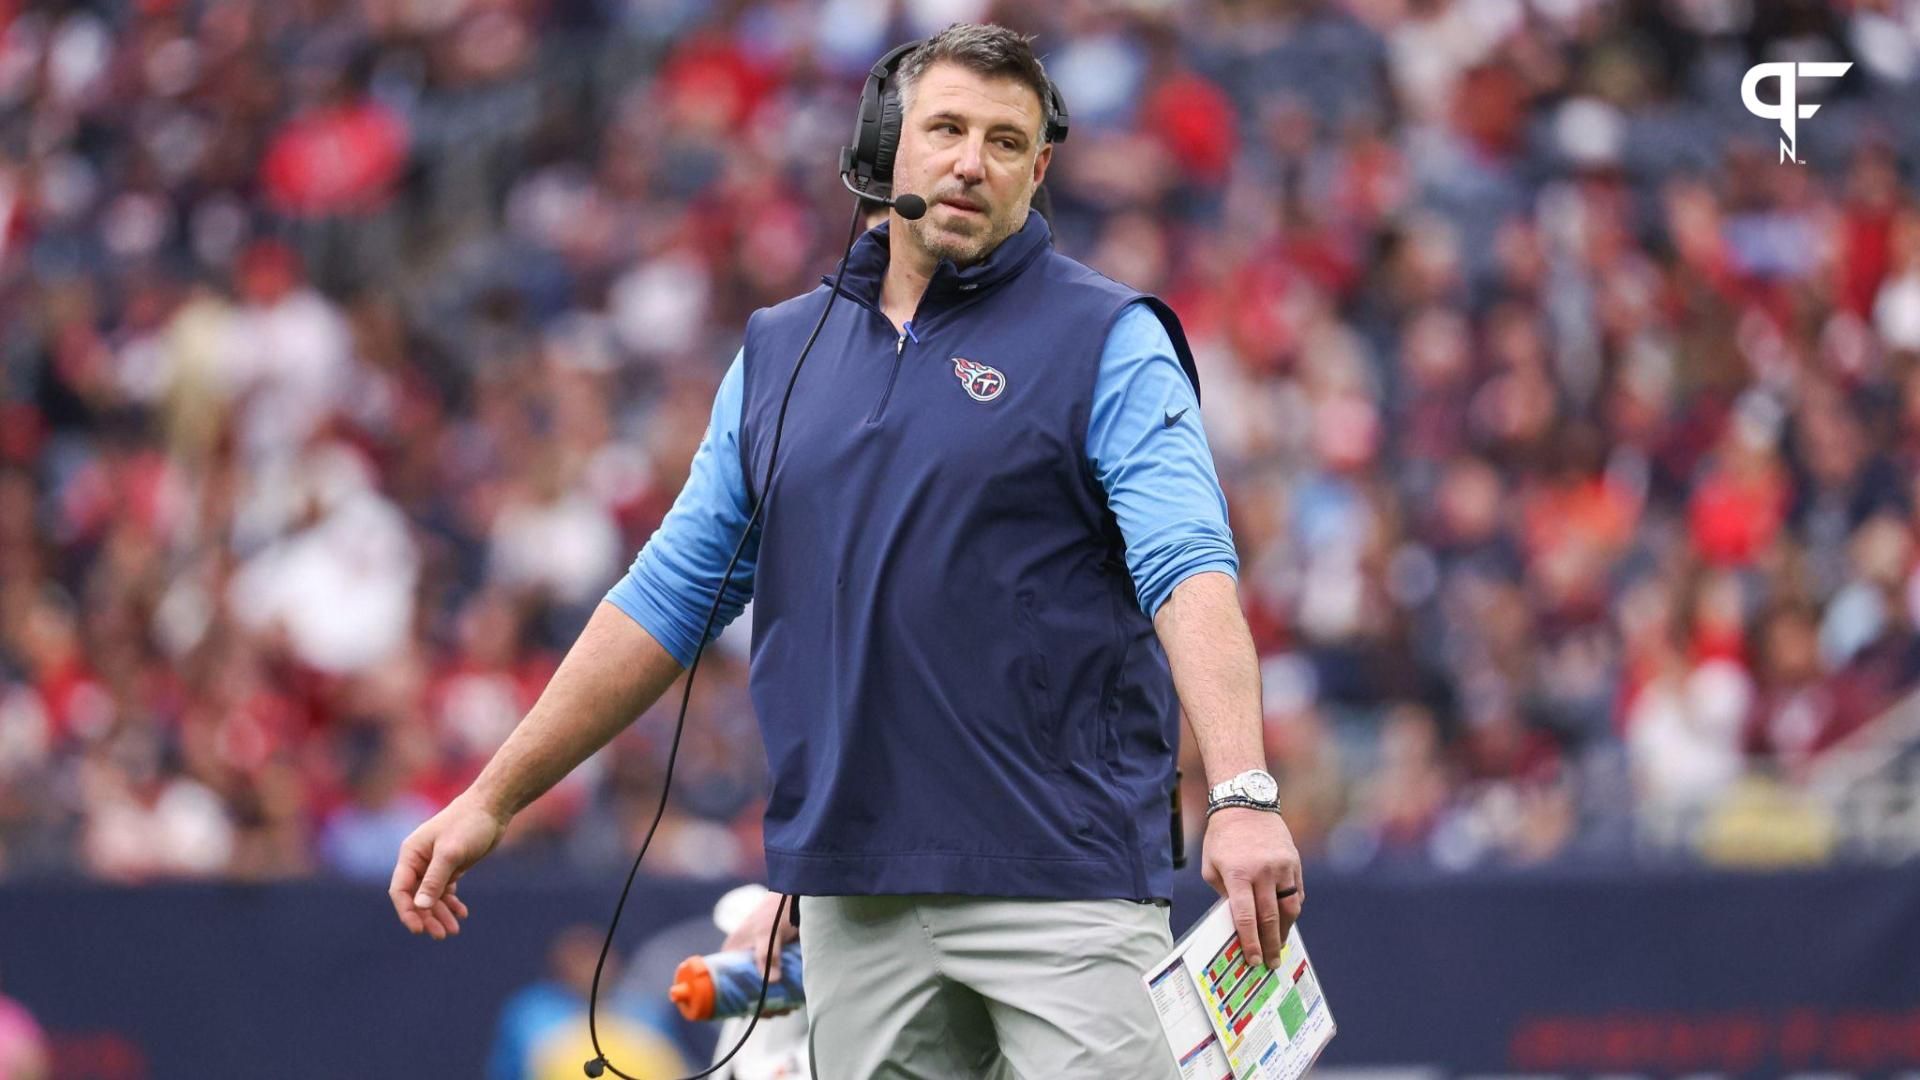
(614, 672)
(1215, 672)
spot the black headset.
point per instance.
(876, 135)
(876, 130)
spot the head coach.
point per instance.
(994, 570)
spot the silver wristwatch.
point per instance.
(1256, 786)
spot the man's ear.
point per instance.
(1040, 163)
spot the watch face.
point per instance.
(1260, 787)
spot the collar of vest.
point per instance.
(867, 266)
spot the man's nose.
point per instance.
(970, 164)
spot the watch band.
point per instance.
(1257, 785)
(1240, 800)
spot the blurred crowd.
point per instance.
(353, 347)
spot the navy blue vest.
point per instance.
(957, 688)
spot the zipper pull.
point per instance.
(900, 346)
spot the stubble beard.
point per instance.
(963, 250)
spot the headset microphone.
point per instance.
(911, 207)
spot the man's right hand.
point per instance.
(754, 930)
(432, 860)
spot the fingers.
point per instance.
(757, 929)
(758, 932)
(449, 923)
(406, 877)
(1290, 898)
(1266, 907)
(450, 909)
(442, 920)
(745, 934)
(412, 919)
(422, 891)
(766, 947)
(772, 966)
(1246, 925)
(1251, 860)
(439, 875)
(765, 926)
(1292, 894)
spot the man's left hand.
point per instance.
(1249, 858)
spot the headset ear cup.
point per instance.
(889, 137)
(866, 134)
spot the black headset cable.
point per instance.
(599, 1064)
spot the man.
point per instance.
(966, 692)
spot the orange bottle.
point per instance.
(727, 984)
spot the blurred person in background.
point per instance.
(24, 1054)
(359, 835)
(542, 1032)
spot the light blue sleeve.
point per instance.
(670, 585)
(1149, 452)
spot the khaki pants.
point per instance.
(974, 988)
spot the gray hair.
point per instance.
(985, 49)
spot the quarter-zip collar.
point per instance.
(950, 284)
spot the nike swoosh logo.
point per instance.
(1174, 418)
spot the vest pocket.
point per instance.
(1045, 723)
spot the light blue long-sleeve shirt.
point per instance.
(1145, 445)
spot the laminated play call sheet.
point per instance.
(1226, 1019)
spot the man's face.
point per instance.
(970, 145)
